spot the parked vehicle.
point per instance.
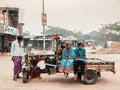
(93, 67)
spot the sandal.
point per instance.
(15, 79)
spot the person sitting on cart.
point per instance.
(35, 67)
(59, 54)
(66, 64)
(57, 38)
(60, 49)
(80, 60)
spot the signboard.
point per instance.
(11, 30)
(44, 19)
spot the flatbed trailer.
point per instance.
(93, 68)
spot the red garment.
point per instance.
(57, 37)
(41, 59)
(33, 74)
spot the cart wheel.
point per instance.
(90, 77)
(25, 77)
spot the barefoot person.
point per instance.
(80, 60)
(17, 52)
(66, 64)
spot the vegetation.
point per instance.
(108, 32)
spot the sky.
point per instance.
(74, 15)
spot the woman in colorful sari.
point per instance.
(66, 64)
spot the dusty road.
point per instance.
(108, 81)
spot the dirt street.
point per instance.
(108, 80)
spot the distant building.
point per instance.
(9, 26)
(71, 39)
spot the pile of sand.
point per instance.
(113, 49)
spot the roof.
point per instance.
(70, 38)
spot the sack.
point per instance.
(41, 65)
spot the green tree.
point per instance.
(58, 30)
(108, 32)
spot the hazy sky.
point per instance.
(76, 15)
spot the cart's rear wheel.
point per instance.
(90, 77)
(25, 77)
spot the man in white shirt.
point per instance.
(17, 53)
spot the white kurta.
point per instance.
(16, 50)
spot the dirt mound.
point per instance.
(113, 49)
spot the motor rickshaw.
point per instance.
(93, 67)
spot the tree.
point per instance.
(58, 30)
(114, 27)
(112, 31)
(78, 35)
(86, 37)
(108, 32)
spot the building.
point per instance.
(9, 26)
(72, 39)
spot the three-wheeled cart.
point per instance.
(93, 68)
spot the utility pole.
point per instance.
(44, 23)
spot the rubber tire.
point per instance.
(25, 77)
(88, 79)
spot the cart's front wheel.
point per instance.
(25, 77)
(90, 76)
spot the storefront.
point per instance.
(9, 25)
(7, 37)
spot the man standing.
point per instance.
(17, 53)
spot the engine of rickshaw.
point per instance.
(34, 62)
